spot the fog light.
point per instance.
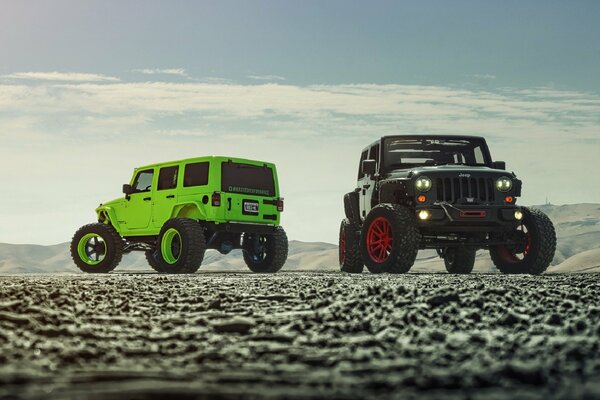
(518, 215)
(423, 214)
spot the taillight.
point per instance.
(216, 199)
(280, 205)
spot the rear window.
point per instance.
(247, 179)
(196, 174)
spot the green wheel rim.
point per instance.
(92, 249)
(170, 246)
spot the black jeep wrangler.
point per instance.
(444, 193)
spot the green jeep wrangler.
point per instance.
(175, 211)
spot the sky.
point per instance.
(91, 89)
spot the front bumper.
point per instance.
(467, 218)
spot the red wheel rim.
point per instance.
(342, 245)
(513, 257)
(528, 245)
(379, 239)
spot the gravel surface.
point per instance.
(299, 335)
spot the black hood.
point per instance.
(447, 171)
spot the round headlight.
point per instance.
(504, 184)
(423, 184)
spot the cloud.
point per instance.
(166, 71)
(267, 77)
(214, 79)
(485, 77)
(342, 110)
(389, 107)
(61, 76)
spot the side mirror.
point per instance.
(368, 167)
(499, 165)
(127, 189)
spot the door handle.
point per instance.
(171, 196)
(147, 198)
(366, 186)
(229, 204)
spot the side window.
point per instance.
(196, 174)
(167, 178)
(479, 155)
(143, 181)
(363, 157)
(374, 154)
(459, 158)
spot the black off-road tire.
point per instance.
(349, 250)
(152, 259)
(541, 251)
(459, 260)
(113, 245)
(405, 238)
(193, 246)
(349, 208)
(275, 251)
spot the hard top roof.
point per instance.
(205, 158)
(427, 136)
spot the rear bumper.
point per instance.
(467, 218)
(242, 227)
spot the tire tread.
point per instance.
(279, 256)
(538, 263)
(108, 233)
(353, 262)
(464, 260)
(402, 220)
(192, 259)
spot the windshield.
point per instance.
(247, 179)
(400, 153)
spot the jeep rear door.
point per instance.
(249, 192)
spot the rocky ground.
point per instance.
(299, 335)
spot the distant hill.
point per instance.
(578, 250)
(27, 258)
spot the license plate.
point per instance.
(250, 207)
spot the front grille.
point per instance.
(453, 189)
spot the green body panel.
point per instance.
(143, 214)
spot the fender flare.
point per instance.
(351, 206)
(107, 215)
(191, 210)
